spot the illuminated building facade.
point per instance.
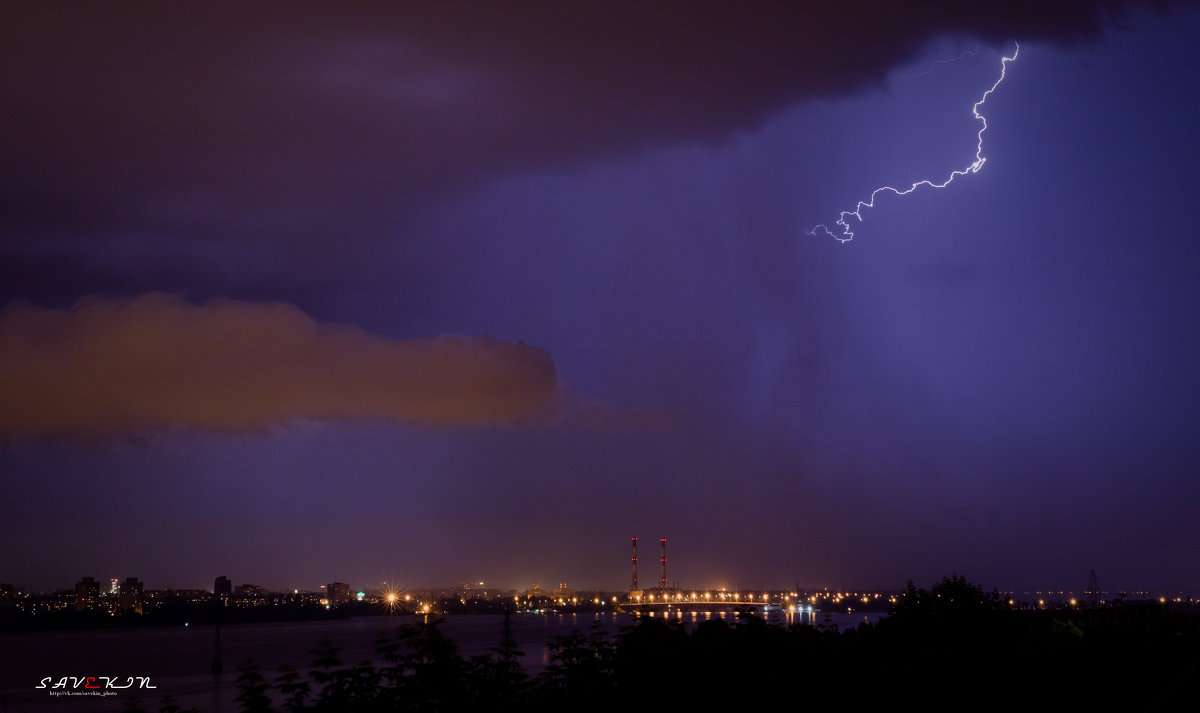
(338, 593)
(87, 594)
(222, 587)
(131, 594)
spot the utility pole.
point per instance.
(1093, 590)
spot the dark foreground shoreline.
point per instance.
(948, 648)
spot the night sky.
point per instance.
(433, 293)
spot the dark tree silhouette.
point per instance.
(252, 689)
(295, 689)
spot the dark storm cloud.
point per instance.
(318, 128)
(114, 368)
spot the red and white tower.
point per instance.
(662, 543)
(634, 588)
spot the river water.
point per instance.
(177, 659)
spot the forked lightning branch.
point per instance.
(845, 233)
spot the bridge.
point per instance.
(714, 600)
(666, 597)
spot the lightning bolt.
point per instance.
(948, 60)
(846, 234)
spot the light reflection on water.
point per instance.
(177, 658)
(819, 619)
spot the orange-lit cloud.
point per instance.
(157, 361)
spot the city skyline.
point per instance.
(428, 292)
(89, 593)
(226, 584)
